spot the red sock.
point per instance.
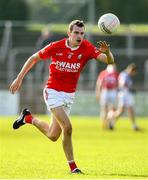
(72, 165)
(28, 118)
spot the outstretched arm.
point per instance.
(16, 84)
(106, 55)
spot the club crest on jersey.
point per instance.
(79, 56)
(70, 55)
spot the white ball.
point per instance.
(108, 23)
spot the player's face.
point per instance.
(76, 36)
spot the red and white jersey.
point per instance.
(66, 63)
(109, 80)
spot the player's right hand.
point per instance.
(15, 85)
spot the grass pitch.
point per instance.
(26, 154)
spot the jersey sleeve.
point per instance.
(94, 52)
(47, 51)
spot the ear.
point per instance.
(68, 33)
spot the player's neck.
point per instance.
(71, 44)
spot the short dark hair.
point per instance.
(78, 23)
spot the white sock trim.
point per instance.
(74, 170)
(71, 161)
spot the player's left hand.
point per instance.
(104, 47)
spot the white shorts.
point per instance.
(55, 98)
(108, 97)
(125, 99)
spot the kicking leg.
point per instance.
(52, 130)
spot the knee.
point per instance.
(52, 137)
(68, 130)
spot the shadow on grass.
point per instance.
(126, 175)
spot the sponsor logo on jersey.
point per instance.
(59, 54)
(67, 67)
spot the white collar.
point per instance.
(74, 48)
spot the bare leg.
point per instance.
(113, 116)
(131, 115)
(66, 127)
(118, 112)
(52, 130)
(103, 116)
